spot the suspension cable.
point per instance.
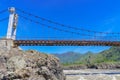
(75, 28)
(67, 31)
(62, 30)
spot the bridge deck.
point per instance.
(65, 43)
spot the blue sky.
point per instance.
(97, 15)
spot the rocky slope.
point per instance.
(16, 64)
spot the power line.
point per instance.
(75, 28)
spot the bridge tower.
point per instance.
(12, 24)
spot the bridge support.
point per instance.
(13, 19)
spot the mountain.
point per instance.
(86, 58)
(109, 56)
(68, 57)
(74, 57)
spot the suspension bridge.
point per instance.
(34, 30)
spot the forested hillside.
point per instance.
(111, 56)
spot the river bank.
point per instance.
(104, 65)
(92, 74)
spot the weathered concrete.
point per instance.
(6, 43)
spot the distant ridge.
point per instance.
(110, 57)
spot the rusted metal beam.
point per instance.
(65, 43)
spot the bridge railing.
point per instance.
(69, 38)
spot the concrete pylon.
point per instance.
(13, 20)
